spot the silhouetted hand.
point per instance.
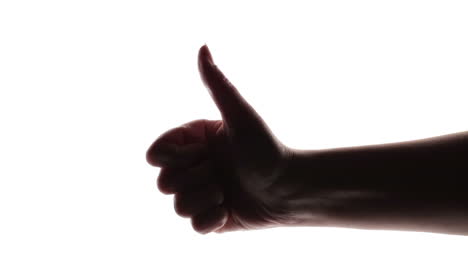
(222, 172)
(233, 174)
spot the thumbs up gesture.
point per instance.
(224, 174)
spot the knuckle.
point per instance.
(180, 206)
(198, 225)
(163, 183)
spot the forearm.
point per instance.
(417, 185)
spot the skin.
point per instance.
(234, 174)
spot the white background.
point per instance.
(86, 86)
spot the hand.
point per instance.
(224, 173)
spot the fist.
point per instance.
(224, 174)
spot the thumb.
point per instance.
(230, 103)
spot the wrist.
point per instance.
(318, 189)
(297, 190)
